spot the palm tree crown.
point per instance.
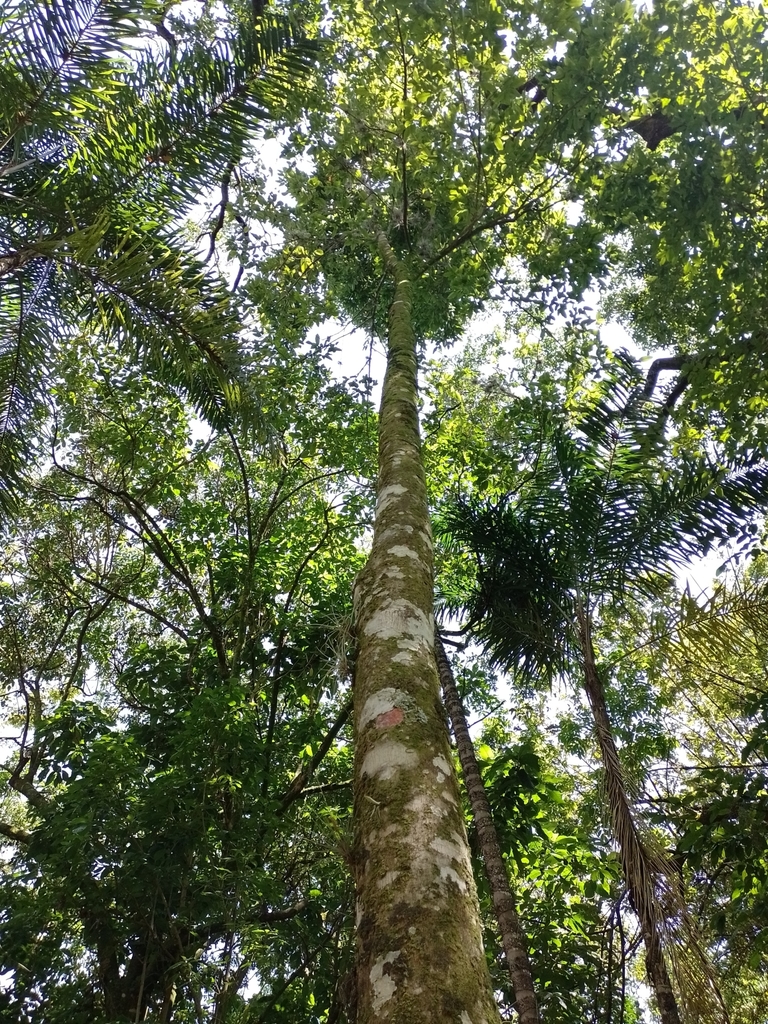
(603, 512)
(111, 128)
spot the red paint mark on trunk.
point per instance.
(389, 718)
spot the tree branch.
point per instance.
(18, 835)
(305, 774)
(261, 916)
(326, 787)
(469, 233)
(225, 182)
(273, 997)
(25, 787)
(166, 552)
(245, 596)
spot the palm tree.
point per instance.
(111, 128)
(602, 515)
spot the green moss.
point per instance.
(419, 928)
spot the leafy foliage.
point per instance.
(604, 512)
(175, 619)
(107, 138)
(173, 699)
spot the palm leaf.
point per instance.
(105, 142)
(27, 331)
(605, 513)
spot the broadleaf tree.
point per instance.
(436, 162)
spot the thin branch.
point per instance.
(302, 777)
(245, 597)
(238, 277)
(93, 613)
(273, 997)
(138, 605)
(277, 675)
(470, 232)
(659, 366)
(264, 915)
(165, 551)
(225, 183)
(624, 958)
(474, 135)
(329, 529)
(326, 787)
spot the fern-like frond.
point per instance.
(106, 139)
(606, 512)
(522, 599)
(142, 293)
(28, 323)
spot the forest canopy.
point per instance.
(383, 474)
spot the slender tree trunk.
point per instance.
(420, 957)
(639, 872)
(512, 935)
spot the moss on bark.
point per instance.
(419, 947)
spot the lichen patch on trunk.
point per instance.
(382, 982)
(400, 619)
(387, 757)
(450, 856)
(403, 657)
(387, 495)
(402, 551)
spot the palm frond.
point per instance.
(605, 513)
(27, 332)
(728, 627)
(523, 591)
(57, 56)
(144, 294)
(105, 142)
(173, 131)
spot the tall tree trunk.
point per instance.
(420, 957)
(512, 935)
(639, 872)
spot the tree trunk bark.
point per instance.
(638, 869)
(420, 958)
(512, 935)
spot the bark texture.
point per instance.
(420, 958)
(512, 935)
(640, 873)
